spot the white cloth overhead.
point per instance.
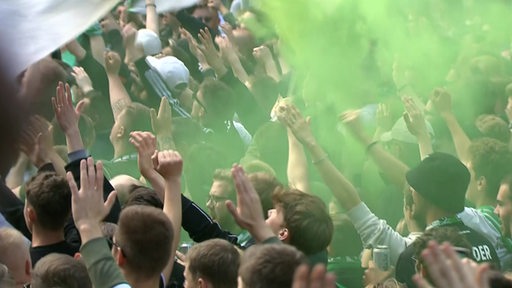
(139, 6)
(32, 29)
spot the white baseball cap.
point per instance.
(171, 69)
(150, 41)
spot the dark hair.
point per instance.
(494, 127)
(216, 260)
(306, 218)
(50, 196)
(442, 234)
(59, 270)
(218, 98)
(491, 159)
(144, 236)
(270, 265)
(142, 195)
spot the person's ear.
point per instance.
(31, 214)
(28, 267)
(283, 234)
(202, 283)
(120, 258)
(120, 132)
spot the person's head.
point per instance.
(504, 205)
(438, 182)
(212, 263)
(222, 189)
(265, 184)
(494, 127)
(440, 234)
(489, 161)
(208, 16)
(134, 117)
(142, 195)
(15, 255)
(269, 266)
(142, 242)
(124, 184)
(59, 270)
(48, 202)
(301, 220)
(214, 102)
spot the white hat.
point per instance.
(150, 41)
(401, 133)
(171, 69)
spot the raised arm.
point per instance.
(442, 102)
(152, 17)
(416, 125)
(230, 55)
(393, 168)
(145, 143)
(340, 187)
(89, 210)
(170, 166)
(37, 143)
(264, 56)
(119, 97)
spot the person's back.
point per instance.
(482, 250)
(47, 209)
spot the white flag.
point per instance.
(32, 29)
(162, 6)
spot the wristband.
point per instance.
(151, 5)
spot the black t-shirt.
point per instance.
(482, 250)
(63, 247)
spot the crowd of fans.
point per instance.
(415, 192)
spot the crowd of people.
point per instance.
(171, 149)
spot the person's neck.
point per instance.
(143, 283)
(42, 237)
(435, 214)
(123, 148)
(484, 201)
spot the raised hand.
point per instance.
(319, 278)
(194, 48)
(66, 115)
(112, 62)
(145, 143)
(82, 79)
(442, 101)
(383, 118)
(446, 269)
(210, 52)
(228, 30)
(169, 164)
(87, 204)
(290, 116)
(248, 212)
(162, 124)
(352, 121)
(414, 118)
(37, 141)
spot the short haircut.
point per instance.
(270, 265)
(6, 279)
(491, 159)
(494, 127)
(507, 180)
(218, 98)
(309, 225)
(442, 234)
(145, 235)
(215, 260)
(265, 185)
(224, 175)
(59, 270)
(50, 196)
(142, 195)
(14, 250)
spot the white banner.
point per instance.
(32, 29)
(162, 6)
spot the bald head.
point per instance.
(14, 253)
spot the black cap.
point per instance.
(442, 180)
